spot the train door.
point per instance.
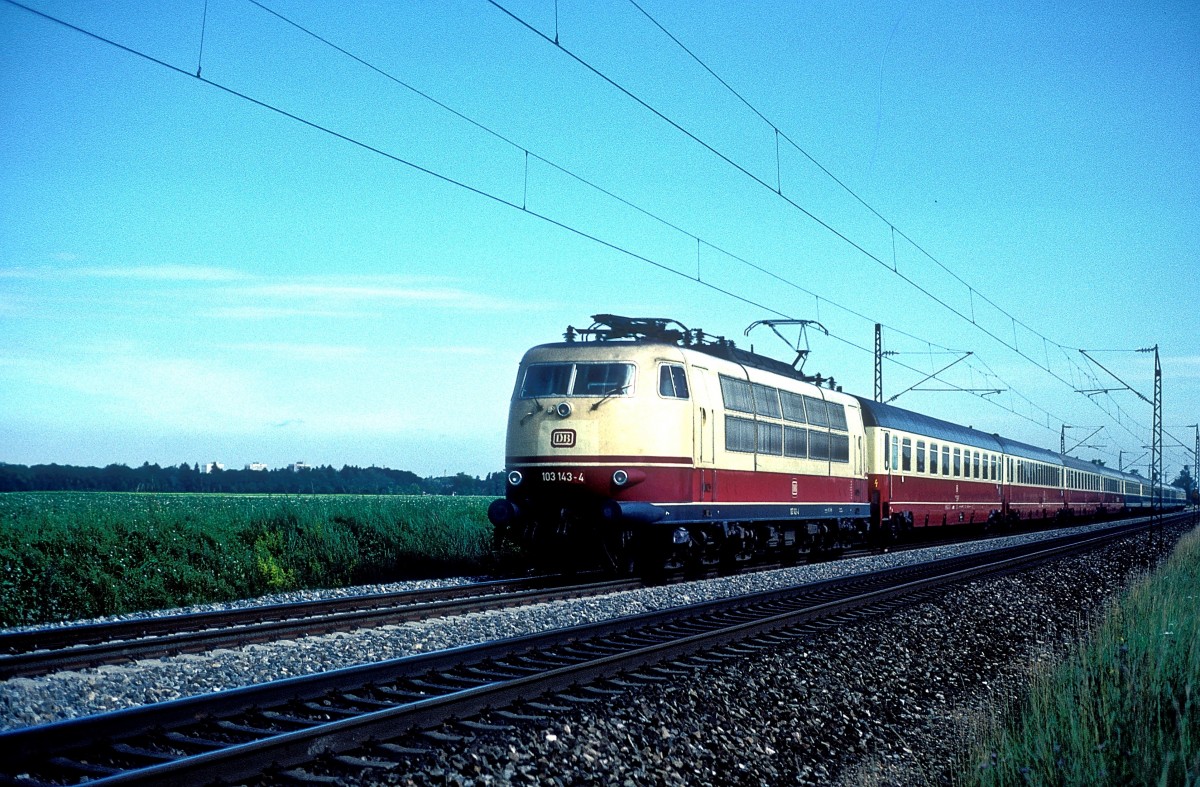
(879, 497)
(704, 415)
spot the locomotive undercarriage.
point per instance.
(578, 531)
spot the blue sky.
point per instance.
(186, 275)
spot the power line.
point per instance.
(1014, 346)
(480, 192)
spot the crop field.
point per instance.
(68, 555)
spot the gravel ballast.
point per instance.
(877, 700)
(893, 700)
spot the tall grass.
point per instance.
(66, 555)
(1125, 708)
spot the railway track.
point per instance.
(332, 725)
(44, 650)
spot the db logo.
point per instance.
(562, 438)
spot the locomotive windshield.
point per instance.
(577, 379)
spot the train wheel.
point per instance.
(620, 554)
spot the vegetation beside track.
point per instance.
(69, 555)
(1122, 709)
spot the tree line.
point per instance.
(188, 478)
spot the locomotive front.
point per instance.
(599, 435)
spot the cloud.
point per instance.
(301, 352)
(189, 273)
(325, 291)
(159, 273)
(283, 312)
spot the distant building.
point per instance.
(298, 466)
(210, 467)
(256, 466)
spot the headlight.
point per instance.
(563, 409)
(620, 478)
(515, 478)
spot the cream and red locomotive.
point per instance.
(637, 441)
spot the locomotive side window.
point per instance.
(895, 453)
(672, 381)
(737, 395)
(818, 415)
(793, 406)
(739, 434)
(906, 455)
(957, 462)
(920, 456)
(770, 438)
(837, 415)
(766, 400)
(839, 447)
(933, 458)
(795, 442)
(818, 445)
(945, 460)
(975, 458)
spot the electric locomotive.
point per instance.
(637, 440)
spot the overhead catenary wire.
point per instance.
(482, 192)
(1014, 346)
(478, 191)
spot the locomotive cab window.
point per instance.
(577, 379)
(672, 381)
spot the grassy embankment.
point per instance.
(67, 555)
(1124, 709)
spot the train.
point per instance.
(639, 445)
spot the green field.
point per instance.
(1125, 708)
(68, 555)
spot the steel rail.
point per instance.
(384, 700)
(40, 651)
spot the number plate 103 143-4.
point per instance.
(563, 476)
